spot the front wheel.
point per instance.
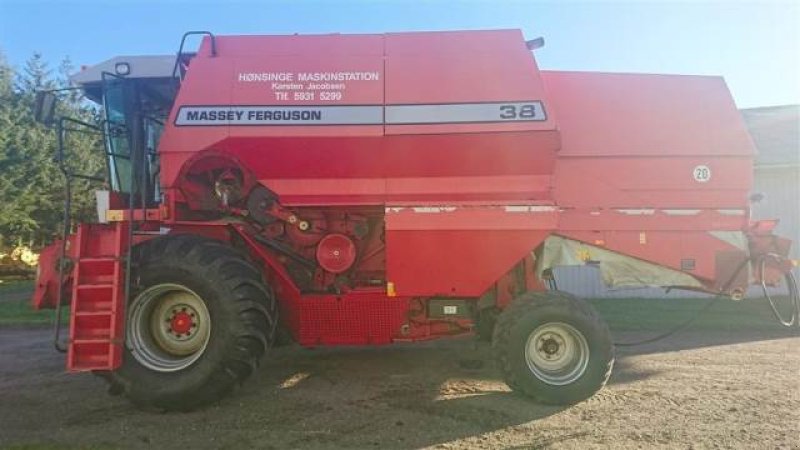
(199, 321)
(553, 347)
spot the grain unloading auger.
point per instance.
(370, 189)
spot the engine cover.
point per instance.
(336, 253)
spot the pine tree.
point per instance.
(31, 183)
(36, 75)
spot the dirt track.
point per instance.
(693, 391)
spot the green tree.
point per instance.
(31, 183)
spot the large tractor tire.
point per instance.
(553, 348)
(199, 320)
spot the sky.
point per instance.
(754, 45)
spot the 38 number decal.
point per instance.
(528, 111)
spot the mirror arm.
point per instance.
(73, 88)
(79, 130)
(81, 123)
(60, 150)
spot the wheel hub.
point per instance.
(168, 327)
(181, 323)
(557, 353)
(551, 347)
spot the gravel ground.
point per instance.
(695, 390)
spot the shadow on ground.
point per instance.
(404, 396)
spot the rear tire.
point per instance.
(200, 320)
(553, 347)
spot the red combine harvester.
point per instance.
(371, 189)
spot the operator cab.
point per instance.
(136, 93)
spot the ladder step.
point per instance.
(92, 327)
(95, 286)
(93, 298)
(93, 313)
(96, 271)
(94, 341)
(98, 304)
(93, 354)
(98, 259)
(94, 307)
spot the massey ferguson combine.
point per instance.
(372, 189)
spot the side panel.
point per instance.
(358, 318)
(459, 251)
(617, 114)
(649, 141)
(656, 167)
(445, 71)
(457, 76)
(412, 168)
(605, 181)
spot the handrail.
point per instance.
(183, 42)
(60, 157)
(68, 176)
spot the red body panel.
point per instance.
(456, 158)
(633, 141)
(488, 163)
(613, 156)
(373, 164)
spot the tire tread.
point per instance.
(519, 309)
(250, 299)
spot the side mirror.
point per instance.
(44, 108)
(534, 44)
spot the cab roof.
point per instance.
(158, 68)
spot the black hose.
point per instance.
(680, 327)
(794, 295)
(687, 323)
(791, 285)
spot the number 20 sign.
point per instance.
(702, 174)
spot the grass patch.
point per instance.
(649, 314)
(16, 309)
(15, 286)
(622, 314)
(20, 312)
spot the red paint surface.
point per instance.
(610, 142)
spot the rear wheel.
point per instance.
(199, 321)
(553, 347)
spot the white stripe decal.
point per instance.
(434, 209)
(465, 113)
(731, 212)
(244, 115)
(530, 208)
(681, 212)
(279, 115)
(637, 212)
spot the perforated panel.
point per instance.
(350, 320)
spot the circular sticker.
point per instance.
(701, 174)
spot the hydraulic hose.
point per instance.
(688, 322)
(791, 286)
(682, 326)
